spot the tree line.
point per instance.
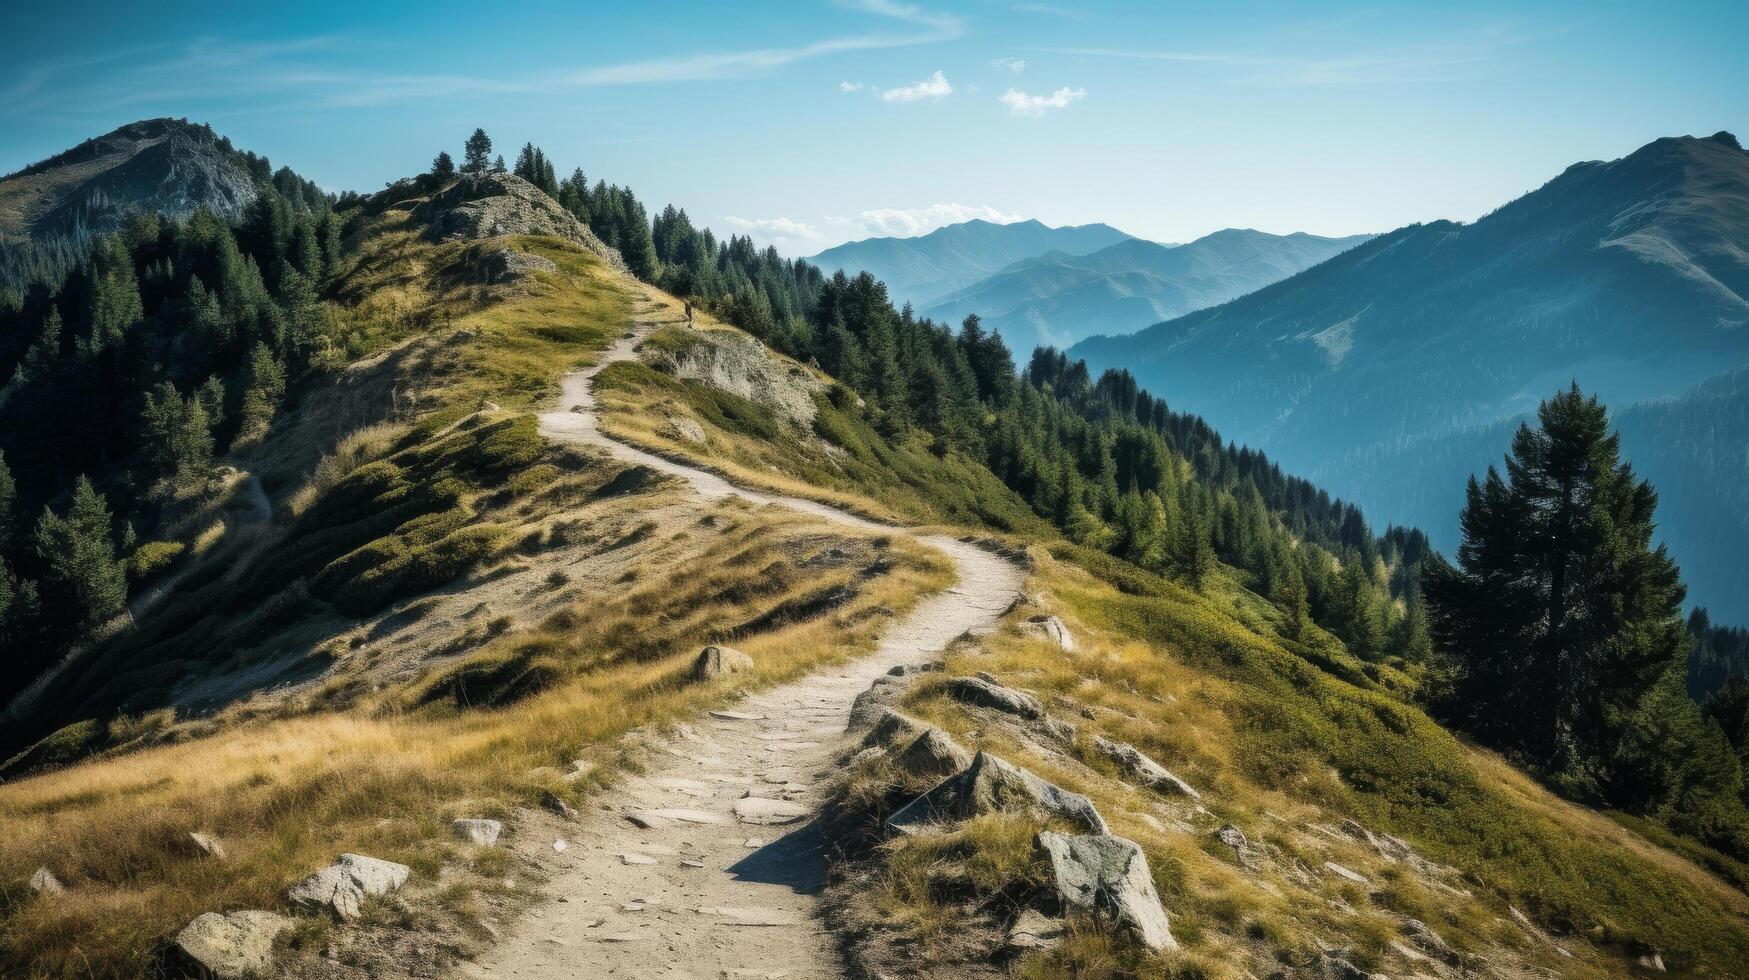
(168, 344)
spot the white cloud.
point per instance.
(934, 87)
(850, 86)
(774, 227)
(907, 222)
(1021, 104)
(1015, 65)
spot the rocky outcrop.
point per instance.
(224, 947)
(892, 729)
(1032, 929)
(490, 204)
(508, 265)
(1108, 877)
(343, 886)
(739, 364)
(714, 662)
(476, 831)
(207, 844)
(1138, 767)
(989, 693)
(933, 755)
(990, 785)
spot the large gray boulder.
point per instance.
(714, 662)
(1136, 765)
(990, 785)
(508, 265)
(230, 946)
(343, 886)
(990, 694)
(1108, 877)
(934, 755)
(493, 203)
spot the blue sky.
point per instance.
(809, 122)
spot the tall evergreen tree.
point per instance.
(1560, 614)
(81, 572)
(477, 153)
(443, 168)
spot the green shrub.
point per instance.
(153, 557)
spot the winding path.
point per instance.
(720, 881)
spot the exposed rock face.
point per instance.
(477, 831)
(986, 694)
(231, 946)
(990, 785)
(1387, 846)
(508, 265)
(715, 662)
(688, 429)
(1232, 836)
(1423, 936)
(1142, 769)
(741, 365)
(486, 205)
(1108, 876)
(44, 882)
(344, 885)
(934, 755)
(1050, 628)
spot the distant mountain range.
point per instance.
(1059, 298)
(1392, 371)
(1043, 285)
(918, 270)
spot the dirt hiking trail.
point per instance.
(720, 880)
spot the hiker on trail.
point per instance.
(689, 313)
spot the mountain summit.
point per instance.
(1631, 276)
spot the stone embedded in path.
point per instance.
(1144, 770)
(44, 882)
(644, 820)
(553, 803)
(688, 816)
(984, 693)
(631, 858)
(760, 810)
(714, 662)
(229, 947)
(344, 885)
(736, 716)
(734, 915)
(1108, 877)
(990, 785)
(1050, 628)
(477, 831)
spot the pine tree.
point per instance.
(443, 168)
(1560, 614)
(8, 506)
(477, 152)
(81, 572)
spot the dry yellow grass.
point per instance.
(287, 795)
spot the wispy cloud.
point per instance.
(1021, 104)
(774, 227)
(934, 87)
(204, 72)
(851, 86)
(1015, 65)
(907, 222)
